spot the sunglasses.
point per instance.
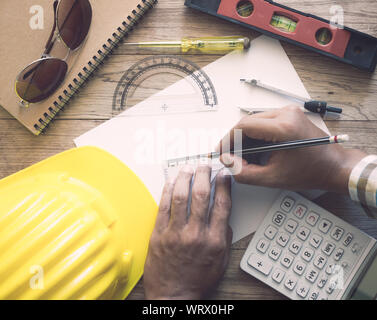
(41, 78)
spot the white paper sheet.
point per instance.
(143, 143)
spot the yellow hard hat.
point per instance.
(74, 226)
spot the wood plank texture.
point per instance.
(324, 78)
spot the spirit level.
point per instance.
(299, 28)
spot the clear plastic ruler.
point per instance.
(172, 166)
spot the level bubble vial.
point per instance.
(245, 8)
(283, 23)
(323, 36)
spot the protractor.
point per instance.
(164, 84)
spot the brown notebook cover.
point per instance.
(21, 44)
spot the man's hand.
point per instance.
(188, 254)
(324, 167)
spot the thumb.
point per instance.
(246, 173)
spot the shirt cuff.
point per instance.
(362, 184)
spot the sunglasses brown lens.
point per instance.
(73, 21)
(39, 80)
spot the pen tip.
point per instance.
(253, 82)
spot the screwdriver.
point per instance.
(210, 45)
(320, 107)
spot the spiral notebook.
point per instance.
(24, 29)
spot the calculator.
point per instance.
(305, 252)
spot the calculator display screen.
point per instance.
(367, 288)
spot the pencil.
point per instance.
(288, 145)
(265, 148)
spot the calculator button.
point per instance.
(302, 290)
(331, 287)
(270, 232)
(263, 245)
(311, 275)
(322, 281)
(291, 225)
(355, 248)
(347, 240)
(300, 211)
(299, 267)
(337, 233)
(322, 296)
(290, 283)
(282, 239)
(303, 233)
(338, 254)
(315, 240)
(295, 246)
(307, 254)
(260, 263)
(313, 295)
(312, 218)
(287, 204)
(286, 260)
(278, 275)
(278, 218)
(319, 261)
(330, 268)
(274, 253)
(328, 248)
(324, 225)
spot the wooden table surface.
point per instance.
(324, 78)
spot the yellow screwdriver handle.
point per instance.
(214, 45)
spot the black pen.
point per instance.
(310, 105)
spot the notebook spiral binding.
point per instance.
(94, 64)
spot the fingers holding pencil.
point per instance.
(296, 169)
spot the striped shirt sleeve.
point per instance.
(362, 185)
